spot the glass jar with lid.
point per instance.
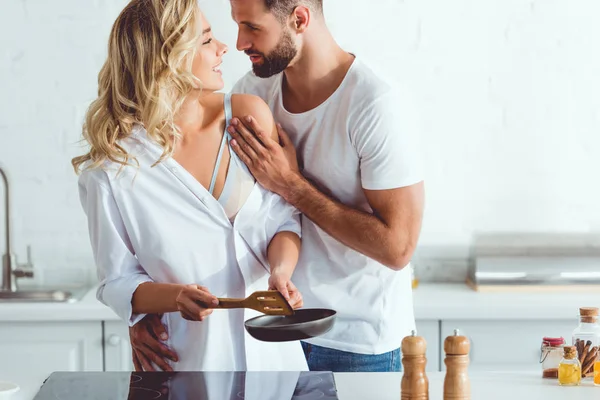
(588, 329)
(551, 353)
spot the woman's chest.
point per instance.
(204, 154)
(176, 222)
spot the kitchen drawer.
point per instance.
(506, 345)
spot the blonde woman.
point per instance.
(175, 218)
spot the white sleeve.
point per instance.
(118, 268)
(292, 223)
(385, 136)
(242, 86)
(283, 217)
(251, 84)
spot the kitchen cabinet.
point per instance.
(36, 349)
(430, 331)
(117, 348)
(505, 345)
(496, 345)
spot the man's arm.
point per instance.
(388, 235)
(389, 177)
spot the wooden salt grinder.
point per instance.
(456, 383)
(415, 385)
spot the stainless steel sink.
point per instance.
(11, 270)
(39, 295)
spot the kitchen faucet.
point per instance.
(11, 270)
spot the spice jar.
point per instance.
(588, 328)
(569, 369)
(586, 338)
(551, 353)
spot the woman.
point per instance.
(175, 218)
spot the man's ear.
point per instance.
(301, 18)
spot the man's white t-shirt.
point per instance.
(362, 136)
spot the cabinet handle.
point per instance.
(113, 340)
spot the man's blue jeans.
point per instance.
(326, 359)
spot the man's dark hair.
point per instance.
(283, 8)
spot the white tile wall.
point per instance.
(509, 91)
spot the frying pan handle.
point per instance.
(231, 303)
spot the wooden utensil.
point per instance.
(269, 302)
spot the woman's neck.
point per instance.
(196, 112)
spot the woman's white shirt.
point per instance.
(159, 224)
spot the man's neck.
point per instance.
(317, 72)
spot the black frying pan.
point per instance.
(304, 324)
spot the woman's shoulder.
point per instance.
(93, 176)
(244, 105)
(249, 103)
(108, 169)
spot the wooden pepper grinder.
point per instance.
(456, 383)
(415, 385)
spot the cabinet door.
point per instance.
(117, 348)
(506, 345)
(430, 331)
(31, 351)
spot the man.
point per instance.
(359, 187)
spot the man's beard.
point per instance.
(277, 60)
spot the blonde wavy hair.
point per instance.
(145, 79)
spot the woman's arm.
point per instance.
(284, 248)
(124, 284)
(155, 298)
(117, 266)
(283, 252)
(192, 301)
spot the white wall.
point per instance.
(509, 91)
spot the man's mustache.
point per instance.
(253, 53)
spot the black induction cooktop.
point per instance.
(189, 385)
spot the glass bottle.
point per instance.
(569, 369)
(588, 328)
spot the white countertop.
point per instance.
(458, 301)
(431, 302)
(488, 386)
(86, 309)
(484, 386)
